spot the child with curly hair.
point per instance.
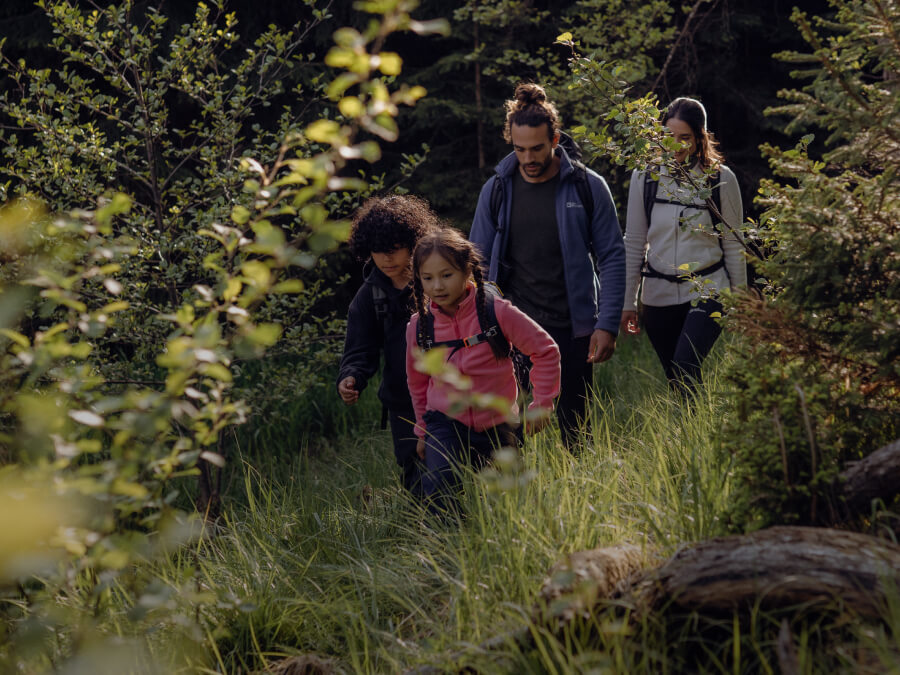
(383, 234)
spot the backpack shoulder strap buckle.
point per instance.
(473, 340)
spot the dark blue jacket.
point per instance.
(593, 251)
(368, 336)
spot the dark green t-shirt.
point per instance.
(534, 280)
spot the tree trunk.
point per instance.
(779, 567)
(209, 503)
(479, 117)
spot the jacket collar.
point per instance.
(373, 275)
(509, 164)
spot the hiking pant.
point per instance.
(403, 433)
(576, 379)
(451, 445)
(682, 336)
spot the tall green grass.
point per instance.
(322, 552)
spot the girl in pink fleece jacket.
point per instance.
(444, 267)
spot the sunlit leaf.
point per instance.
(390, 63)
(288, 286)
(324, 131)
(86, 417)
(351, 106)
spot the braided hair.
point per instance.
(453, 247)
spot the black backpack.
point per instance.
(491, 333)
(384, 315)
(651, 187)
(754, 245)
(581, 181)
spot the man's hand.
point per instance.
(420, 448)
(347, 390)
(603, 344)
(629, 324)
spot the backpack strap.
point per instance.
(648, 271)
(382, 314)
(490, 333)
(650, 188)
(717, 197)
(496, 200)
(381, 303)
(494, 334)
(583, 187)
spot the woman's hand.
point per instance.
(420, 448)
(347, 390)
(629, 323)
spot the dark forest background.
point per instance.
(720, 51)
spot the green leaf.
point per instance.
(288, 286)
(232, 289)
(216, 371)
(352, 107)
(114, 307)
(324, 131)
(240, 215)
(390, 63)
(341, 84)
(18, 338)
(265, 334)
(119, 204)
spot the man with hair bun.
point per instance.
(559, 263)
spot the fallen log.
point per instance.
(577, 582)
(780, 567)
(876, 476)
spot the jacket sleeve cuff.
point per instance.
(542, 404)
(609, 328)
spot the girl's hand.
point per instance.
(420, 448)
(347, 390)
(536, 420)
(629, 324)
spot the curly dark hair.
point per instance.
(383, 224)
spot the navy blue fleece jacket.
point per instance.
(592, 247)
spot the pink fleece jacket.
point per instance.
(488, 374)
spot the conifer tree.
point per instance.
(817, 376)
